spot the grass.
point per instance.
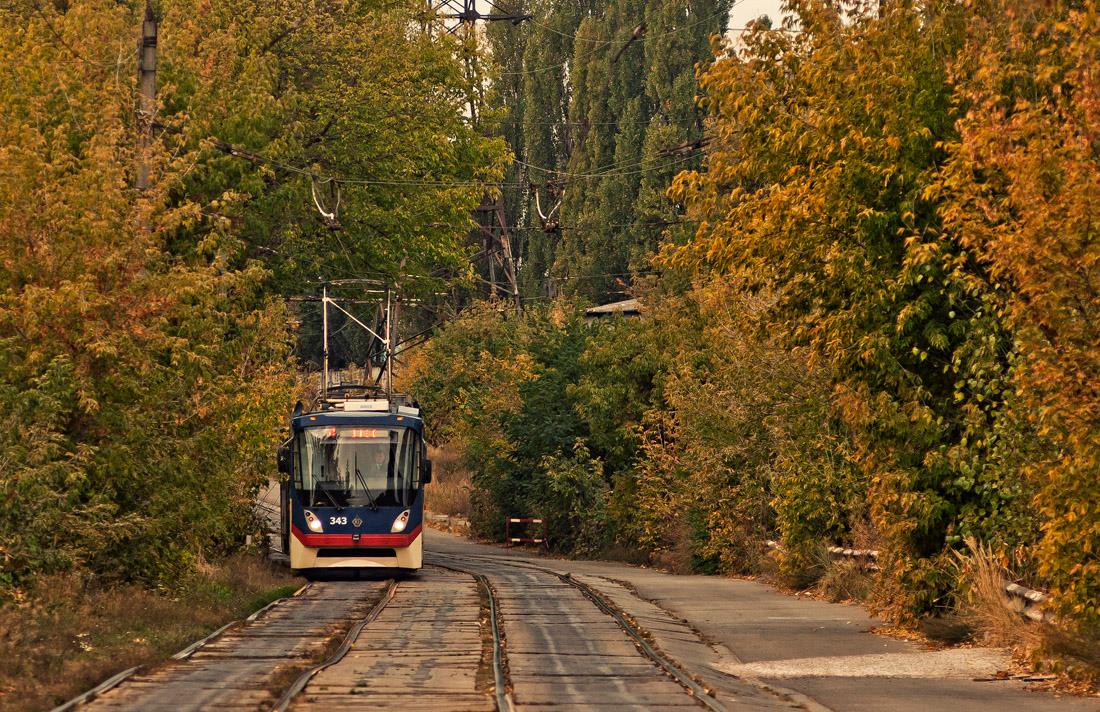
(449, 492)
(273, 595)
(997, 620)
(845, 580)
(676, 558)
(69, 633)
(994, 617)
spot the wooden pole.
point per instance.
(324, 341)
(147, 88)
(507, 258)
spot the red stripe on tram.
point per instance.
(365, 540)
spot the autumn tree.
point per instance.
(1023, 184)
(145, 366)
(141, 386)
(820, 188)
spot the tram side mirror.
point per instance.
(284, 459)
(425, 471)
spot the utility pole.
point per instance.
(465, 11)
(147, 88)
(391, 342)
(497, 246)
(488, 242)
(392, 345)
(508, 260)
(324, 340)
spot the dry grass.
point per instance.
(1076, 657)
(998, 619)
(678, 556)
(995, 618)
(449, 492)
(844, 580)
(849, 579)
(617, 551)
(69, 634)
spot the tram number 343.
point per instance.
(337, 520)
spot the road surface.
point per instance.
(567, 635)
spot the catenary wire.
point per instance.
(603, 43)
(258, 158)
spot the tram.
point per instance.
(352, 493)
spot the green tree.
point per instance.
(1021, 192)
(344, 90)
(636, 130)
(145, 353)
(821, 188)
(594, 133)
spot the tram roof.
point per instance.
(401, 418)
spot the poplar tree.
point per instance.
(601, 131)
(145, 366)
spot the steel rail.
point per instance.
(685, 679)
(503, 699)
(681, 676)
(108, 684)
(300, 683)
(194, 647)
(117, 679)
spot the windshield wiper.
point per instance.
(363, 481)
(324, 488)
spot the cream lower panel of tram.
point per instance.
(305, 557)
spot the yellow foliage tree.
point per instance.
(1024, 186)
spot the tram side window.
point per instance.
(413, 459)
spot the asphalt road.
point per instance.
(821, 656)
(574, 636)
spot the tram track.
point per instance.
(426, 649)
(302, 680)
(472, 632)
(640, 637)
(500, 675)
(121, 677)
(565, 656)
(236, 665)
(705, 687)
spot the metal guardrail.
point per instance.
(510, 538)
(1031, 602)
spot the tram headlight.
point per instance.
(400, 523)
(313, 522)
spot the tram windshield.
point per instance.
(357, 466)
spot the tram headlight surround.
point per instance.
(400, 523)
(314, 522)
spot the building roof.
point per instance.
(627, 307)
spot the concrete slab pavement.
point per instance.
(824, 654)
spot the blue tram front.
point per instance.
(353, 486)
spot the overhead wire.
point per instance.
(37, 5)
(603, 43)
(573, 37)
(640, 122)
(548, 28)
(596, 172)
(323, 178)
